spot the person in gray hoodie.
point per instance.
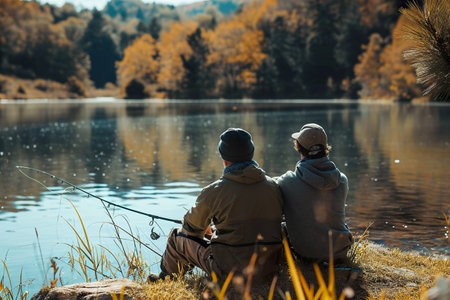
(314, 199)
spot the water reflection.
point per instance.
(156, 157)
(405, 151)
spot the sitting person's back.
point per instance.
(244, 209)
(314, 199)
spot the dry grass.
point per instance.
(7, 290)
(384, 274)
(13, 88)
(99, 262)
(178, 288)
(397, 274)
(16, 88)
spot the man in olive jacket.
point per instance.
(244, 210)
(314, 199)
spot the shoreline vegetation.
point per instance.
(39, 89)
(372, 271)
(13, 88)
(376, 272)
(230, 49)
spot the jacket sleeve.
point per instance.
(282, 178)
(198, 217)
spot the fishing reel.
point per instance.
(153, 235)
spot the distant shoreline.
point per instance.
(20, 90)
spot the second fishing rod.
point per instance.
(75, 187)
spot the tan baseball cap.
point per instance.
(311, 135)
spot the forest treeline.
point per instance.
(266, 49)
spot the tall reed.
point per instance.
(6, 288)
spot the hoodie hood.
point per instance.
(321, 173)
(248, 175)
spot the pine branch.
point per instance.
(429, 31)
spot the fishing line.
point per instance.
(109, 203)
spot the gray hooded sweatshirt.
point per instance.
(314, 203)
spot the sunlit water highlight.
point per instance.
(156, 157)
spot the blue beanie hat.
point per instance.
(236, 145)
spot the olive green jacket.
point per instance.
(245, 208)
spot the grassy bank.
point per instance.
(376, 272)
(12, 88)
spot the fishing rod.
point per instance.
(61, 180)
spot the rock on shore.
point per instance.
(100, 290)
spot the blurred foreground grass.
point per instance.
(376, 272)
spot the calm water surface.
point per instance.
(156, 157)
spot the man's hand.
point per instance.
(208, 232)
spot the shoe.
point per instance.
(153, 277)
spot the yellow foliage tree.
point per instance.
(401, 78)
(367, 70)
(235, 54)
(73, 28)
(173, 45)
(382, 71)
(139, 61)
(255, 11)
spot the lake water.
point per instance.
(156, 156)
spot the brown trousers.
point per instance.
(183, 252)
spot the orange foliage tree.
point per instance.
(367, 71)
(172, 46)
(139, 62)
(395, 69)
(382, 71)
(33, 46)
(235, 55)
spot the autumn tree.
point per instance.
(11, 38)
(395, 69)
(173, 44)
(367, 72)
(383, 73)
(33, 46)
(140, 61)
(50, 55)
(235, 56)
(64, 12)
(73, 28)
(210, 18)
